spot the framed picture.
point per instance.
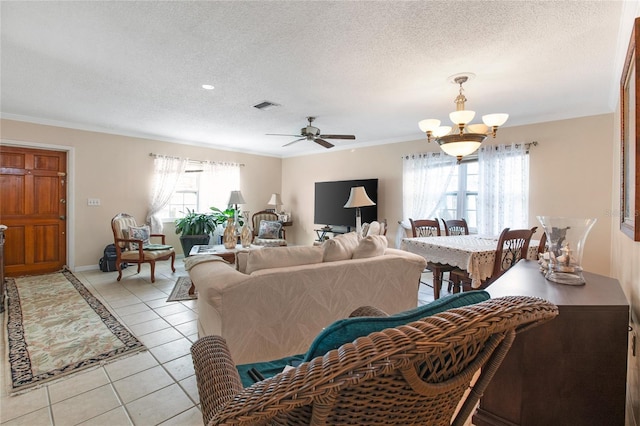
(630, 140)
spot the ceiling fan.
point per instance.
(312, 133)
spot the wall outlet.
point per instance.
(93, 202)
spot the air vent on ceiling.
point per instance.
(266, 105)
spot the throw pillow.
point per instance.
(139, 233)
(371, 246)
(340, 247)
(349, 329)
(280, 257)
(269, 229)
(374, 228)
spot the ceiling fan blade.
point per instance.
(323, 143)
(292, 142)
(280, 134)
(338, 136)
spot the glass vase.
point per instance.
(565, 240)
(229, 238)
(246, 234)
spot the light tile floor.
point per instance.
(155, 387)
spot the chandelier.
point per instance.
(465, 138)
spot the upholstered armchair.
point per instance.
(267, 229)
(420, 372)
(133, 245)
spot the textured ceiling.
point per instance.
(373, 69)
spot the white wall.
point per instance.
(118, 170)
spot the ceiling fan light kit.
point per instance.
(312, 133)
(466, 138)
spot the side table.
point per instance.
(219, 250)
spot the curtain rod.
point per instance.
(221, 163)
(527, 145)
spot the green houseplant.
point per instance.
(221, 216)
(195, 229)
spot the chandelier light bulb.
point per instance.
(462, 117)
(429, 125)
(478, 128)
(495, 119)
(441, 131)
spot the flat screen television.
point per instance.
(330, 198)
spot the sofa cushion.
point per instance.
(269, 229)
(340, 247)
(370, 246)
(280, 257)
(348, 329)
(374, 228)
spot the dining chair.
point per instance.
(431, 228)
(542, 245)
(455, 227)
(513, 245)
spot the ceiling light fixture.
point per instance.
(466, 138)
(207, 87)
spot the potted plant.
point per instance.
(195, 229)
(222, 215)
(221, 218)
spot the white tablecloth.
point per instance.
(473, 253)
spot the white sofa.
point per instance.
(282, 297)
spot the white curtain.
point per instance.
(425, 178)
(503, 194)
(216, 183)
(167, 171)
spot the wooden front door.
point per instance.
(33, 199)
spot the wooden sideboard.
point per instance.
(569, 371)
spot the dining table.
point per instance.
(473, 253)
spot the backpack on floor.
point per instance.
(108, 260)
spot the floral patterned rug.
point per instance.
(56, 327)
(181, 290)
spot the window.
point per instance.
(461, 198)
(200, 187)
(491, 191)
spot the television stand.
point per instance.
(321, 233)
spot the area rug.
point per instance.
(181, 290)
(56, 327)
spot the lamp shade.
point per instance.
(358, 198)
(275, 200)
(429, 125)
(236, 198)
(495, 119)
(462, 117)
(460, 146)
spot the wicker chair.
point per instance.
(413, 374)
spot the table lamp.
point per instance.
(276, 201)
(234, 199)
(358, 198)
